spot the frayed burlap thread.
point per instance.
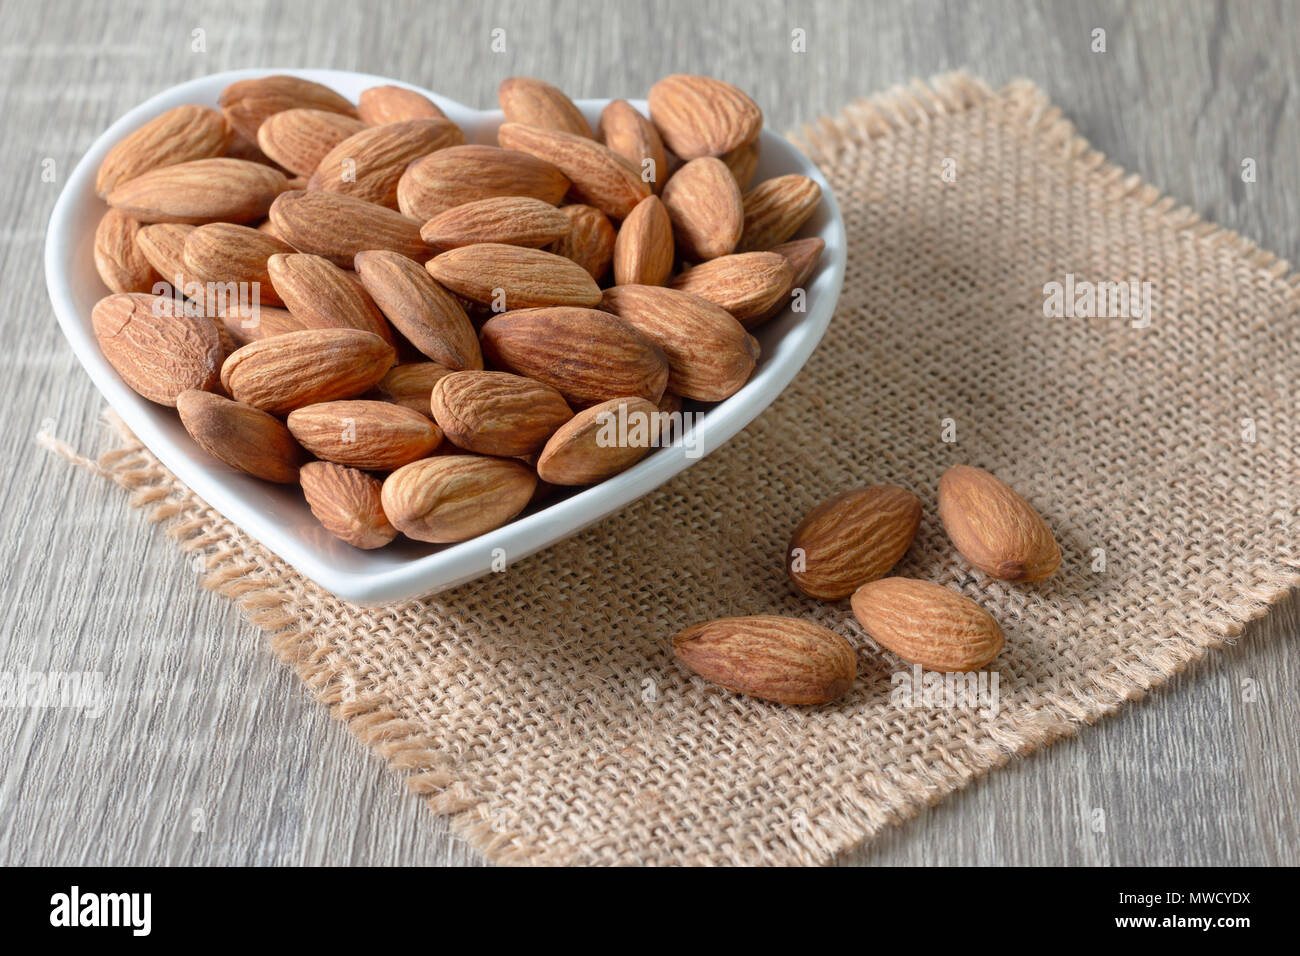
(541, 709)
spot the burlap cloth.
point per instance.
(542, 710)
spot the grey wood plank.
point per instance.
(210, 752)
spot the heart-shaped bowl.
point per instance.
(276, 515)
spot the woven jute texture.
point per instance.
(542, 709)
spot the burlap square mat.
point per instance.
(541, 709)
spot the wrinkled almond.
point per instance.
(119, 259)
(395, 104)
(456, 497)
(180, 135)
(600, 176)
(644, 251)
(348, 503)
(320, 295)
(852, 538)
(624, 130)
(284, 372)
(201, 190)
(243, 437)
(535, 102)
(430, 317)
(928, 624)
(512, 277)
(299, 139)
(700, 116)
(338, 227)
(995, 528)
(377, 436)
(159, 349)
(247, 103)
(589, 241)
(590, 447)
(228, 253)
(460, 174)
(748, 284)
(369, 163)
(513, 220)
(496, 413)
(776, 209)
(704, 204)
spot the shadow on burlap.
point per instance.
(542, 710)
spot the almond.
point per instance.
(395, 104)
(378, 436)
(348, 503)
(512, 277)
(747, 284)
(600, 176)
(118, 258)
(225, 252)
(590, 240)
(157, 348)
(246, 324)
(369, 163)
(241, 147)
(743, 163)
(586, 355)
(587, 448)
(163, 245)
(459, 174)
(284, 372)
(247, 103)
(299, 139)
(700, 116)
(624, 130)
(710, 355)
(202, 190)
(535, 102)
(513, 220)
(411, 385)
(927, 624)
(782, 659)
(802, 254)
(994, 528)
(703, 202)
(180, 135)
(456, 497)
(644, 251)
(243, 437)
(338, 227)
(422, 310)
(320, 295)
(496, 413)
(776, 209)
(855, 537)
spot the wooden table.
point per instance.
(210, 752)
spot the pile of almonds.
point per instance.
(440, 327)
(844, 548)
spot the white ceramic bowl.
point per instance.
(276, 515)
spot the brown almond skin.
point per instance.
(776, 209)
(430, 317)
(705, 207)
(802, 254)
(243, 437)
(299, 139)
(927, 624)
(994, 528)
(395, 104)
(710, 356)
(247, 103)
(201, 190)
(749, 285)
(376, 157)
(576, 454)
(624, 130)
(460, 174)
(644, 250)
(158, 349)
(376, 436)
(320, 295)
(743, 163)
(497, 413)
(411, 385)
(590, 240)
(513, 220)
(348, 504)
(456, 497)
(163, 245)
(587, 355)
(525, 99)
(852, 538)
(700, 116)
(283, 372)
(246, 325)
(526, 278)
(226, 252)
(600, 176)
(179, 135)
(118, 258)
(781, 659)
(338, 227)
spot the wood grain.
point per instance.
(210, 752)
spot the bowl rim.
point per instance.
(459, 563)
